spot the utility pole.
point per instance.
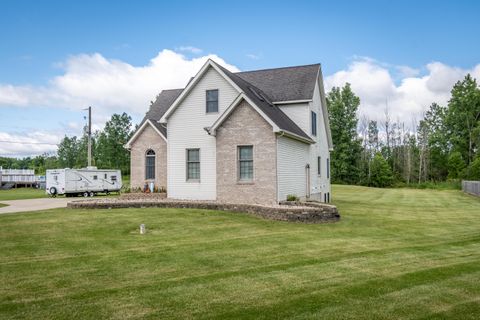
(89, 132)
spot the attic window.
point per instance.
(212, 100)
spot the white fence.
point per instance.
(472, 187)
(17, 175)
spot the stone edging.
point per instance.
(305, 212)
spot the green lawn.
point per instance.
(2, 205)
(21, 193)
(396, 254)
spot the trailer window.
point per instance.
(95, 177)
(105, 176)
(114, 178)
(55, 178)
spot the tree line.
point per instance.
(442, 146)
(107, 149)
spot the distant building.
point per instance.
(12, 178)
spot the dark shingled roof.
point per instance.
(261, 100)
(160, 106)
(263, 87)
(284, 84)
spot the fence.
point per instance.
(472, 187)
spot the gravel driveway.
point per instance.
(33, 204)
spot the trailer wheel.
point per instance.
(91, 194)
(53, 191)
(86, 194)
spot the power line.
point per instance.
(25, 142)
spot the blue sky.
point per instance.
(397, 41)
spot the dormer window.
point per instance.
(212, 101)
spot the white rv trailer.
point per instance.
(86, 182)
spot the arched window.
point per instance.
(150, 164)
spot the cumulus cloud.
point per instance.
(27, 143)
(108, 85)
(408, 97)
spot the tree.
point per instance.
(342, 106)
(109, 149)
(68, 152)
(455, 165)
(381, 175)
(463, 118)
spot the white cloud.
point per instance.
(253, 56)
(190, 49)
(108, 85)
(28, 143)
(374, 83)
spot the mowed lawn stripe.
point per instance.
(394, 249)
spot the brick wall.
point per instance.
(246, 127)
(148, 139)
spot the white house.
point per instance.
(245, 137)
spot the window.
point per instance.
(95, 177)
(212, 100)
(113, 178)
(150, 165)
(105, 177)
(319, 166)
(314, 123)
(193, 164)
(328, 168)
(245, 163)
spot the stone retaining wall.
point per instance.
(301, 212)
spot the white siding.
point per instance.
(299, 113)
(320, 184)
(292, 157)
(186, 130)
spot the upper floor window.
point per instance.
(212, 100)
(319, 166)
(245, 163)
(314, 124)
(149, 165)
(328, 168)
(193, 164)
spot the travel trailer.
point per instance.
(86, 182)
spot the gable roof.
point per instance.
(263, 102)
(284, 84)
(160, 106)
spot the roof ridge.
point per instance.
(280, 68)
(172, 89)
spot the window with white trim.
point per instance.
(319, 166)
(150, 164)
(314, 123)
(193, 164)
(245, 163)
(212, 100)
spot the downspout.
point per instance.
(307, 172)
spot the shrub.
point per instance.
(292, 197)
(381, 175)
(456, 165)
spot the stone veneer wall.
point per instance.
(148, 139)
(246, 127)
(293, 212)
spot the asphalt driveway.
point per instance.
(33, 204)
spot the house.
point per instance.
(244, 137)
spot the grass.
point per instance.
(21, 193)
(3, 205)
(396, 254)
